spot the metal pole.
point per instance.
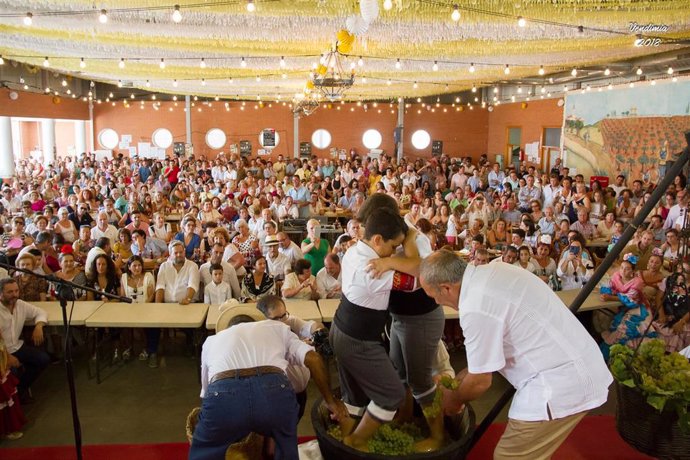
(401, 127)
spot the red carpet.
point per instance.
(595, 438)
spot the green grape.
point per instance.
(448, 382)
(434, 409)
(335, 432)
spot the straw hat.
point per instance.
(228, 314)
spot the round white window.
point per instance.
(321, 139)
(162, 138)
(215, 138)
(269, 138)
(372, 139)
(108, 138)
(421, 139)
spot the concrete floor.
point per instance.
(135, 404)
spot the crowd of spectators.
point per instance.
(108, 225)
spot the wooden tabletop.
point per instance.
(82, 310)
(328, 308)
(303, 309)
(593, 301)
(115, 314)
(598, 243)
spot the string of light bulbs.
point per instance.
(103, 15)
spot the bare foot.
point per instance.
(351, 441)
(347, 426)
(428, 445)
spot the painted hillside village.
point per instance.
(622, 140)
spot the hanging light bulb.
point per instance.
(176, 15)
(415, 85)
(455, 15)
(148, 84)
(639, 70)
(103, 17)
(389, 82)
(282, 62)
(565, 88)
(251, 7)
(670, 70)
(632, 84)
(607, 72)
(202, 64)
(674, 79)
(82, 63)
(175, 83)
(283, 75)
(28, 19)
(231, 81)
(398, 64)
(387, 5)
(46, 62)
(519, 89)
(435, 67)
(162, 64)
(121, 64)
(522, 22)
(2, 62)
(258, 78)
(203, 82)
(543, 90)
(119, 84)
(653, 82)
(472, 69)
(573, 72)
(243, 63)
(541, 70)
(474, 89)
(360, 61)
(610, 86)
(495, 89)
(507, 70)
(64, 82)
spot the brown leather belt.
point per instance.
(245, 373)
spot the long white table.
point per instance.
(83, 309)
(143, 315)
(164, 315)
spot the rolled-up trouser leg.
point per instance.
(414, 345)
(367, 376)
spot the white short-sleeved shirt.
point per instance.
(514, 324)
(175, 283)
(358, 286)
(247, 345)
(325, 283)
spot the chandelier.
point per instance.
(331, 79)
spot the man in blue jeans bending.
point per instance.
(245, 389)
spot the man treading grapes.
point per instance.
(515, 325)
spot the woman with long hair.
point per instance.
(104, 277)
(499, 236)
(257, 283)
(140, 287)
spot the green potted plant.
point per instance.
(653, 399)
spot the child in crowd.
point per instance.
(218, 291)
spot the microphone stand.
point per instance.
(65, 292)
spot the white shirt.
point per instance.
(175, 283)
(11, 324)
(358, 286)
(229, 277)
(247, 345)
(549, 193)
(216, 294)
(514, 324)
(674, 213)
(279, 266)
(110, 233)
(325, 283)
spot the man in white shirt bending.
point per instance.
(514, 324)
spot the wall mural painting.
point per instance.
(630, 131)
